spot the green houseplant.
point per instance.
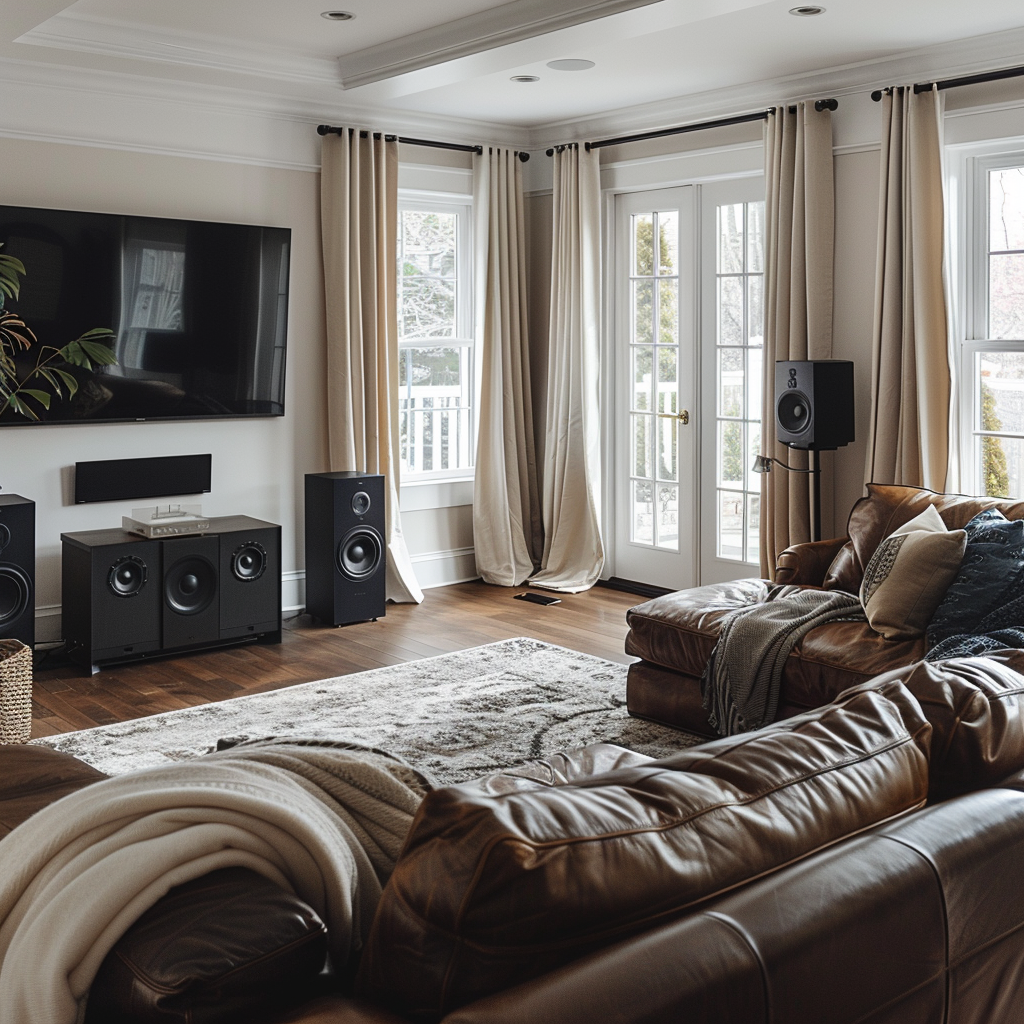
(46, 377)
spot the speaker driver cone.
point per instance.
(794, 412)
(5, 536)
(15, 593)
(190, 585)
(249, 562)
(360, 503)
(359, 553)
(127, 576)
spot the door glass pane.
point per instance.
(755, 238)
(730, 447)
(730, 524)
(668, 235)
(730, 382)
(643, 512)
(641, 445)
(668, 379)
(643, 383)
(754, 382)
(755, 310)
(668, 311)
(643, 244)
(730, 239)
(753, 529)
(667, 469)
(643, 312)
(730, 311)
(668, 517)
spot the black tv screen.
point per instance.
(199, 312)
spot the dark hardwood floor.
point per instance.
(450, 619)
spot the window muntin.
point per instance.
(436, 372)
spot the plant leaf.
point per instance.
(99, 352)
(69, 380)
(40, 396)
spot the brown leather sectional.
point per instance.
(674, 635)
(857, 863)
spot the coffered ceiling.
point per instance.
(456, 59)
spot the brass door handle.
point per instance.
(683, 416)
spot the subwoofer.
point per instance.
(17, 569)
(346, 553)
(191, 605)
(814, 403)
(110, 596)
(126, 597)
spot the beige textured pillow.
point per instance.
(909, 574)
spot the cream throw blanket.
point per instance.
(324, 820)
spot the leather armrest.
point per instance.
(806, 564)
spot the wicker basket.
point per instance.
(15, 692)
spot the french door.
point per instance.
(652, 354)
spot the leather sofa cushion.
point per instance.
(33, 777)
(493, 888)
(976, 709)
(226, 947)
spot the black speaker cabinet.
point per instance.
(345, 547)
(17, 569)
(814, 403)
(126, 597)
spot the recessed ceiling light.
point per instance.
(807, 12)
(570, 64)
(525, 78)
(338, 15)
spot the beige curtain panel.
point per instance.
(799, 243)
(573, 551)
(507, 531)
(359, 225)
(908, 433)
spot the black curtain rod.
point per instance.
(327, 129)
(760, 115)
(951, 83)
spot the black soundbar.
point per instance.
(161, 477)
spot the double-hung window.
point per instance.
(435, 337)
(992, 317)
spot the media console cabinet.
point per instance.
(126, 597)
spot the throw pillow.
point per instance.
(987, 593)
(496, 885)
(908, 575)
(226, 947)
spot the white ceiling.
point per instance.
(454, 59)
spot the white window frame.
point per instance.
(462, 206)
(968, 199)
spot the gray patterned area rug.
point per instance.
(457, 716)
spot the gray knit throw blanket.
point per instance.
(740, 685)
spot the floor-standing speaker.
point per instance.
(345, 547)
(110, 596)
(814, 403)
(17, 569)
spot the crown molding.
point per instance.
(85, 106)
(946, 60)
(486, 30)
(107, 37)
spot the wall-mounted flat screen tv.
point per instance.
(198, 312)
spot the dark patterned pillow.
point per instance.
(988, 591)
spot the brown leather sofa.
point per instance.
(857, 863)
(674, 635)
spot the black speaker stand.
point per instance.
(815, 474)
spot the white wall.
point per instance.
(258, 464)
